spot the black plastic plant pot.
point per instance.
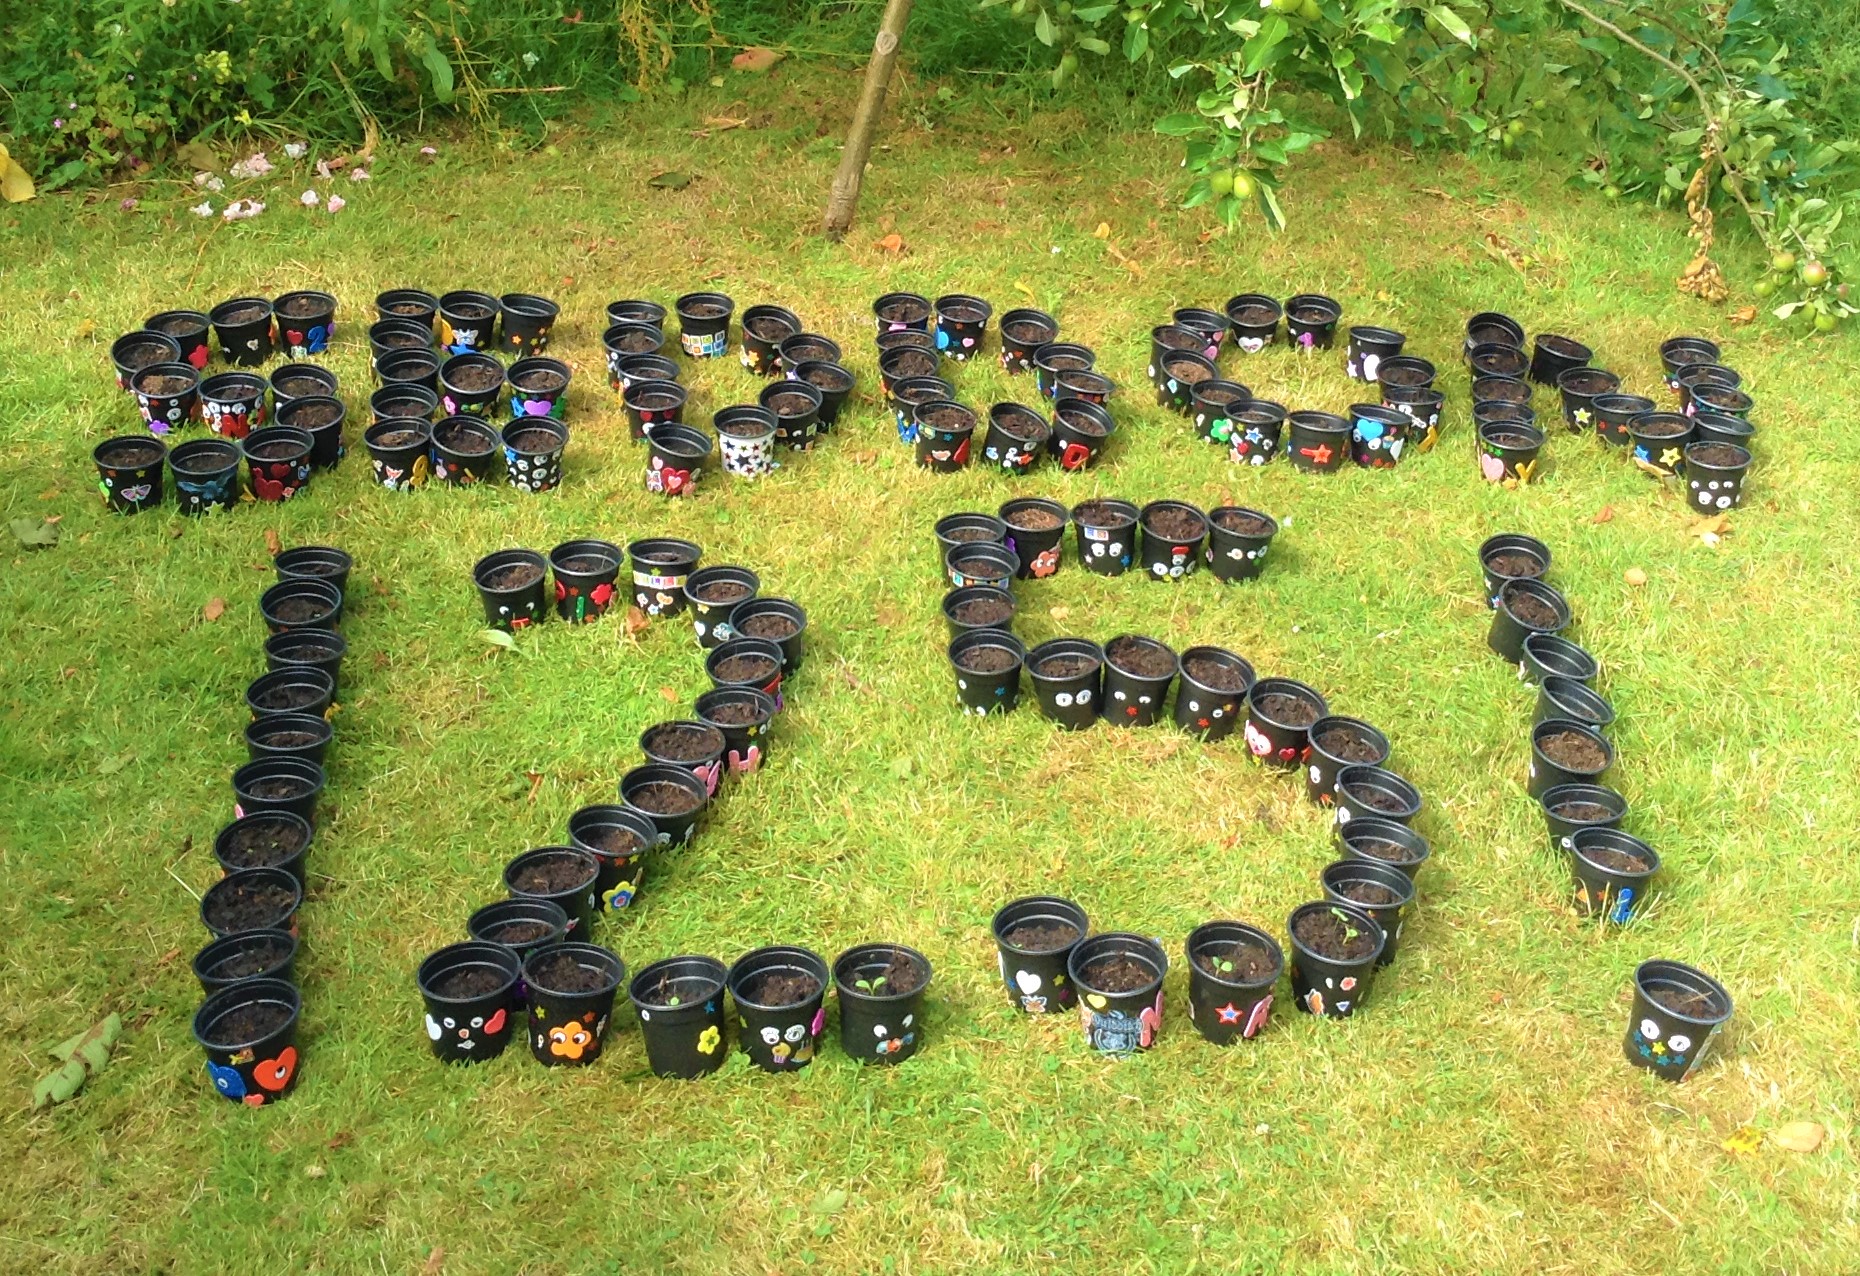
(393, 336)
(704, 324)
(1086, 384)
(1724, 399)
(538, 387)
(511, 583)
(1499, 360)
(696, 747)
(523, 926)
(187, 329)
(1384, 841)
(675, 456)
(252, 899)
(1497, 389)
(134, 351)
(1612, 412)
(250, 954)
(743, 715)
(982, 563)
(1579, 388)
(129, 472)
(1570, 808)
(1678, 1012)
(679, 1001)
(905, 363)
(964, 529)
(168, 395)
(1685, 352)
(1692, 376)
(321, 416)
(780, 994)
(1659, 442)
(470, 384)
(527, 321)
(1510, 556)
(1552, 355)
(752, 664)
(288, 735)
(1497, 414)
(1080, 432)
(1318, 441)
(1721, 427)
(565, 876)
(233, 403)
(1715, 475)
(1034, 939)
(464, 449)
(1404, 372)
(414, 304)
(834, 382)
(1252, 428)
(1253, 319)
(249, 1033)
(409, 367)
(298, 689)
(533, 450)
(1311, 321)
(978, 607)
(1564, 751)
(1364, 789)
(306, 323)
(1172, 534)
(206, 475)
(1339, 742)
(1175, 375)
(1493, 328)
(945, 433)
(1335, 950)
(1422, 405)
(243, 326)
(467, 322)
(881, 991)
(796, 405)
(1576, 701)
(620, 839)
(1525, 607)
(1552, 656)
(302, 602)
(902, 312)
(469, 991)
(1367, 348)
(670, 796)
(1381, 890)
(1213, 687)
(651, 404)
(961, 325)
(1137, 674)
(1613, 873)
(712, 593)
(265, 839)
(1279, 715)
(807, 347)
(1210, 325)
(634, 310)
(1213, 405)
(764, 329)
(584, 573)
(1509, 452)
(1024, 331)
(400, 453)
(627, 341)
(781, 621)
(1066, 674)
(1119, 980)
(987, 664)
(661, 565)
(571, 996)
(1036, 527)
(307, 648)
(404, 402)
(1107, 534)
(1378, 435)
(904, 339)
(1232, 969)
(1055, 357)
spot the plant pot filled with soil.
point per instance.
(1385, 841)
(233, 403)
(511, 583)
(1034, 941)
(1525, 607)
(634, 310)
(704, 324)
(696, 747)
(250, 954)
(538, 387)
(967, 528)
(277, 461)
(796, 406)
(249, 1033)
(781, 621)
(129, 472)
(1238, 539)
(881, 991)
(306, 323)
(571, 995)
(1510, 452)
(1253, 318)
(626, 341)
(1494, 328)
(905, 363)
(1553, 355)
(1335, 950)
(134, 351)
(1559, 697)
(268, 839)
(1172, 535)
(399, 452)
(288, 735)
(1066, 675)
(168, 395)
(619, 839)
(404, 402)
(807, 347)
(670, 796)
(1319, 441)
(675, 461)
(252, 899)
(469, 994)
(1377, 435)
(1692, 376)
(397, 336)
(562, 875)
(1570, 808)
(278, 784)
(1721, 427)
(746, 439)
(321, 416)
(206, 475)
(712, 593)
(1209, 325)
(415, 304)
(743, 715)
(1499, 360)
(467, 322)
(1503, 414)
(834, 382)
(1119, 978)
(982, 563)
(1678, 1013)
(523, 926)
(315, 562)
(1564, 751)
(661, 566)
(585, 572)
(780, 995)
(1311, 321)
(1551, 656)
(1367, 348)
(527, 322)
(1677, 353)
(1280, 712)
(1380, 890)
(1421, 405)
(321, 649)
(188, 329)
(1232, 969)
(1336, 743)
(1056, 357)
(1080, 431)
(907, 394)
(1364, 789)
(1720, 398)
(296, 690)
(1659, 440)
(1036, 529)
(904, 339)
(1213, 687)
(1107, 533)
(1137, 674)
(1612, 412)
(1715, 475)
(470, 384)
(1176, 373)
(961, 325)
(1024, 331)
(764, 329)
(1613, 873)
(1510, 556)
(987, 664)
(1579, 388)
(1085, 384)
(243, 327)
(902, 312)
(752, 664)
(1499, 389)
(463, 450)
(1212, 403)
(679, 1001)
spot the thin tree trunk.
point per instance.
(846, 182)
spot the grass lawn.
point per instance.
(1476, 1117)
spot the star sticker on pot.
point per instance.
(1228, 1013)
(1669, 456)
(1583, 417)
(1321, 453)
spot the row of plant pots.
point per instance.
(248, 1023)
(1163, 540)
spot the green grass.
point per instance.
(1476, 1117)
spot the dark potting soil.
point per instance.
(704, 309)
(751, 667)
(248, 905)
(392, 440)
(476, 377)
(1085, 424)
(974, 565)
(133, 455)
(1034, 518)
(809, 349)
(536, 440)
(142, 354)
(162, 383)
(1116, 972)
(470, 310)
(1502, 390)
(177, 325)
(985, 659)
(950, 417)
(286, 697)
(770, 328)
(262, 844)
(634, 342)
(1530, 611)
(466, 440)
(1100, 514)
(963, 534)
(1684, 1001)
(308, 655)
(1577, 811)
(1401, 376)
(1617, 861)
(1314, 315)
(1218, 675)
(1717, 455)
(915, 363)
(1287, 710)
(1330, 935)
(520, 932)
(242, 314)
(300, 306)
(203, 462)
(961, 312)
(1506, 439)
(248, 1025)
(280, 788)
(307, 416)
(684, 742)
(770, 624)
(300, 609)
(540, 380)
(783, 988)
(662, 797)
(587, 564)
(1573, 751)
(828, 378)
(1063, 665)
(1236, 962)
(1266, 418)
(1182, 340)
(1223, 394)
(742, 429)
(1187, 372)
(1588, 382)
(657, 401)
(1067, 362)
(790, 403)
(1515, 564)
(735, 713)
(1042, 937)
(560, 972)
(1376, 798)
(1027, 332)
(395, 409)
(916, 394)
(1140, 659)
(468, 983)
(722, 591)
(615, 839)
(901, 975)
(553, 875)
(1382, 849)
(255, 960)
(287, 739)
(1491, 334)
(1372, 894)
(400, 340)
(1347, 744)
(1175, 523)
(1660, 428)
(406, 308)
(1253, 315)
(903, 311)
(982, 611)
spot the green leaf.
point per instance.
(68, 171)
(498, 638)
(198, 156)
(831, 1201)
(675, 180)
(34, 533)
(1092, 44)
(1454, 24)
(1137, 42)
(1198, 194)
(1259, 50)
(441, 71)
(1269, 203)
(1788, 308)
(1043, 29)
(1180, 124)
(1228, 210)
(1094, 13)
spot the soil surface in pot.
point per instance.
(913, 364)
(662, 797)
(1027, 332)
(1684, 1001)
(950, 417)
(286, 739)
(540, 380)
(308, 416)
(561, 972)
(317, 567)
(1506, 439)
(262, 844)
(406, 307)
(1140, 659)
(748, 667)
(1316, 315)
(634, 342)
(253, 960)
(1116, 972)
(783, 988)
(1515, 564)
(1617, 861)
(1236, 962)
(1403, 376)
(1347, 744)
(1042, 937)
(1531, 611)
(977, 565)
(742, 428)
(400, 340)
(1370, 894)
(280, 788)
(553, 875)
(614, 839)
(1033, 518)
(1242, 523)
(1065, 665)
(518, 932)
(1588, 383)
(534, 440)
(131, 455)
(1717, 455)
(290, 696)
(1175, 523)
(402, 408)
(391, 440)
(1577, 811)
(790, 403)
(982, 611)
(704, 309)
(735, 713)
(962, 535)
(828, 378)
(176, 326)
(770, 624)
(1222, 394)
(660, 401)
(469, 310)
(683, 742)
(297, 609)
(1218, 675)
(1254, 315)
(1375, 798)
(1287, 710)
(1491, 334)
(903, 310)
(1660, 429)
(1083, 423)
(468, 983)
(1327, 934)
(248, 905)
(311, 655)
(161, 384)
(1187, 371)
(1063, 362)
(986, 660)
(587, 564)
(770, 328)
(961, 312)
(476, 377)
(1572, 750)
(721, 591)
(900, 976)
(1383, 849)
(463, 439)
(201, 463)
(242, 314)
(1179, 340)
(248, 1024)
(296, 306)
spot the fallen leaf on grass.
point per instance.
(1743, 315)
(167, 957)
(1744, 1140)
(536, 780)
(35, 533)
(1025, 289)
(498, 638)
(670, 694)
(636, 622)
(273, 542)
(215, 608)
(832, 1201)
(1712, 530)
(675, 180)
(435, 1261)
(1798, 1136)
(84, 1056)
(1635, 577)
(1103, 231)
(755, 59)
(340, 1139)
(722, 123)
(1059, 613)
(892, 243)
(1604, 515)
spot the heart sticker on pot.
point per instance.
(1095, 1001)
(1026, 981)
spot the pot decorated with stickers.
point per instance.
(1107, 534)
(1715, 475)
(696, 747)
(661, 566)
(907, 393)
(679, 1001)
(206, 475)
(881, 991)
(1311, 321)
(1056, 357)
(533, 453)
(1570, 808)
(746, 439)
(712, 593)
(467, 322)
(1209, 325)
(1238, 539)
(469, 385)
(1367, 348)
(982, 563)
(1067, 674)
(1335, 947)
(945, 433)
(1658, 440)
(1612, 412)
(400, 453)
(988, 664)
(1137, 674)
(527, 321)
(469, 991)
(1253, 318)
(619, 839)
(1034, 941)
(961, 325)
(243, 326)
(1319, 442)
(1119, 978)
(1255, 431)
(1036, 528)
(463, 449)
(1016, 438)
(1336, 743)
(1422, 405)
(1613, 873)
(523, 926)
(1213, 403)
(1023, 331)
(1678, 1012)
(1280, 712)
(1381, 890)
(675, 460)
(306, 323)
(1509, 452)
(669, 796)
(1214, 683)
(1080, 432)
(764, 329)
(1366, 790)
(129, 472)
(1176, 373)
(168, 395)
(902, 312)
(572, 989)
(1171, 535)
(1579, 388)
(134, 351)
(538, 387)
(1510, 556)
(249, 1034)
(233, 403)
(585, 572)
(796, 405)
(1377, 435)
(780, 994)
(704, 324)
(750, 663)
(511, 583)
(743, 715)
(781, 621)
(563, 875)
(277, 461)
(1232, 970)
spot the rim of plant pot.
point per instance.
(1546, 594)
(472, 952)
(727, 422)
(1493, 327)
(908, 309)
(1562, 697)
(1552, 655)
(1613, 807)
(1286, 687)
(849, 962)
(310, 775)
(1492, 359)
(1357, 916)
(1011, 915)
(314, 562)
(1148, 644)
(1141, 948)
(586, 956)
(406, 303)
(653, 746)
(1364, 732)
(388, 402)
(317, 589)
(1220, 930)
(243, 993)
(149, 341)
(491, 923)
(1406, 372)
(285, 649)
(655, 773)
(305, 688)
(1357, 776)
(686, 442)
(754, 962)
(1680, 352)
(263, 736)
(996, 597)
(1591, 844)
(705, 975)
(1248, 312)
(212, 960)
(1561, 726)
(1231, 660)
(234, 853)
(1669, 972)
(1356, 836)
(1333, 876)
(582, 863)
(279, 885)
(1147, 514)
